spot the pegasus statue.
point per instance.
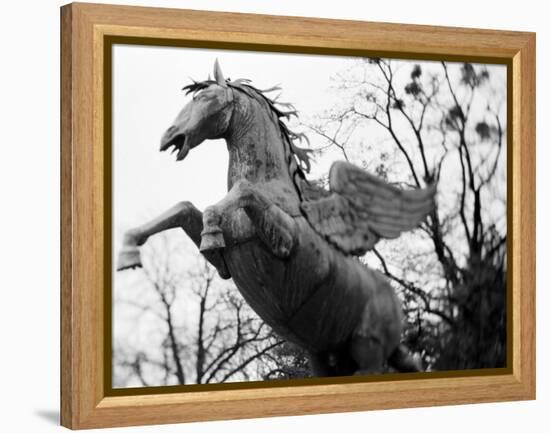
(291, 246)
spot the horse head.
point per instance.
(205, 117)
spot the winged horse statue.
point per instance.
(290, 246)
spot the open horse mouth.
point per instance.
(179, 143)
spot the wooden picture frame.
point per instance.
(87, 32)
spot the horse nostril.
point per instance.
(169, 133)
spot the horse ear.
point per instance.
(218, 76)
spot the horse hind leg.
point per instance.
(376, 339)
(183, 215)
(379, 330)
(369, 354)
(276, 228)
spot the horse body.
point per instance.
(317, 310)
(307, 289)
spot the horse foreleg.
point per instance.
(274, 226)
(183, 215)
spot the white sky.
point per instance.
(147, 96)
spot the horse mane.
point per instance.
(299, 160)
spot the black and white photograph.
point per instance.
(275, 216)
(283, 216)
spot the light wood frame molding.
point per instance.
(85, 402)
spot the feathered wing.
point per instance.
(362, 208)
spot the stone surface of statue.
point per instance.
(292, 247)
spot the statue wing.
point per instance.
(362, 208)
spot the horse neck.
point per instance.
(255, 143)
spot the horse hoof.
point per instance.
(128, 258)
(212, 240)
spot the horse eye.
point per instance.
(200, 95)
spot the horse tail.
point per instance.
(403, 361)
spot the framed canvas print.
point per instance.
(304, 214)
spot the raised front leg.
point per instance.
(275, 227)
(183, 215)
